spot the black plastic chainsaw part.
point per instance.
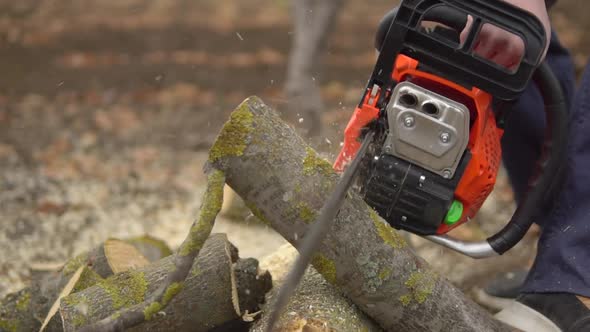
(408, 197)
(458, 63)
(549, 175)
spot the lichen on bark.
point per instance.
(385, 273)
(386, 232)
(420, 284)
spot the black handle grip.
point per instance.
(459, 63)
(441, 14)
(542, 184)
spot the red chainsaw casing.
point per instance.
(479, 177)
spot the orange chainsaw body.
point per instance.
(479, 177)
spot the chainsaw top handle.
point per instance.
(455, 61)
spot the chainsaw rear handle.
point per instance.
(441, 14)
(454, 61)
(548, 169)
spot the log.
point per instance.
(184, 258)
(285, 183)
(26, 309)
(316, 305)
(208, 299)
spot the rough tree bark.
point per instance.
(216, 292)
(26, 309)
(285, 183)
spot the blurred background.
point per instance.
(108, 109)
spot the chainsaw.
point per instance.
(437, 111)
(422, 147)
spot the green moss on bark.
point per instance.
(88, 278)
(313, 164)
(73, 264)
(79, 320)
(385, 273)
(326, 267)
(306, 214)
(171, 291)
(420, 284)
(72, 299)
(386, 232)
(151, 310)
(8, 325)
(125, 289)
(23, 302)
(232, 140)
(210, 207)
(405, 299)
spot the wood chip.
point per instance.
(64, 292)
(123, 256)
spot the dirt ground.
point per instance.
(108, 108)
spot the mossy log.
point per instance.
(285, 184)
(184, 258)
(26, 309)
(316, 305)
(207, 299)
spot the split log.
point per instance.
(26, 309)
(208, 299)
(316, 305)
(285, 183)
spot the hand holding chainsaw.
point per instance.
(505, 48)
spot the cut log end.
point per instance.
(206, 299)
(27, 309)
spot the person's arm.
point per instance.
(503, 47)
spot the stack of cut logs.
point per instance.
(364, 277)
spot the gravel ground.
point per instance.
(46, 222)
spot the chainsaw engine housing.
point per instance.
(427, 129)
(438, 156)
